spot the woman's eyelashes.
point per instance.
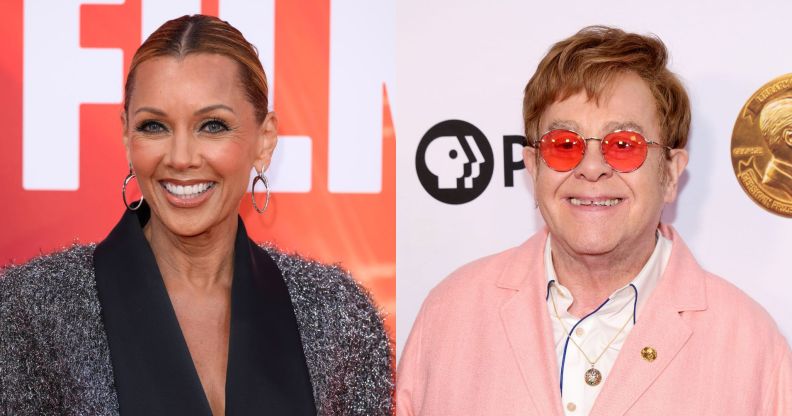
(211, 126)
(151, 127)
(214, 126)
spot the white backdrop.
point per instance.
(470, 60)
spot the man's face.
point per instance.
(592, 209)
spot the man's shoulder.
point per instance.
(735, 315)
(472, 279)
(728, 300)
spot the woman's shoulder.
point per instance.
(313, 281)
(52, 341)
(48, 287)
(346, 347)
(49, 276)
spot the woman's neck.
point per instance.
(202, 261)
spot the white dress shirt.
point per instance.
(593, 331)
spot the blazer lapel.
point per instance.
(527, 325)
(267, 370)
(660, 327)
(152, 366)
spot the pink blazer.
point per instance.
(482, 345)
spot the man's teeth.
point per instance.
(189, 191)
(601, 203)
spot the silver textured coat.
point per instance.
(55, 359)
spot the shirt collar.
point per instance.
(644, 282)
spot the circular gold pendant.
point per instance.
(593, 377)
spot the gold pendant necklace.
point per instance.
(592, 376)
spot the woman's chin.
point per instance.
(187, 227)
(193, 221)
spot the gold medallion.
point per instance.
(761, 146)
(593, 377)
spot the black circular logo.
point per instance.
(454, 162)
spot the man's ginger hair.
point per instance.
(589, 60)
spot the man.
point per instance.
(775, 122)
(604, 312)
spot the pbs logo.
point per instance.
(454, 162)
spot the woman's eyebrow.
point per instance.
(150, 110)
(210, 108)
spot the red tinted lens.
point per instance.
(562, 150)
(625, 151)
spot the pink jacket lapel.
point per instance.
(527, 325)
(660, 327)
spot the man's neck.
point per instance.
(593, 278)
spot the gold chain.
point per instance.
(569, 336)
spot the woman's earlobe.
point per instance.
(268, 140)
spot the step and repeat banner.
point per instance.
(461, 68)
(330, 66)
(344, 189)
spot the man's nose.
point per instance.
(593, 166)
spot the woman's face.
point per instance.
(192, 137)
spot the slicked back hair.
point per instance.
(204, 34)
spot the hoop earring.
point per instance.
(129, 178)
(262, 178)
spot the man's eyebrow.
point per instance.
(563, 124)
(623, 125)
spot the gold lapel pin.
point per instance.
(649, 354)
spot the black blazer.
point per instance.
(92, 331)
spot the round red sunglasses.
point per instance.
(623, 150)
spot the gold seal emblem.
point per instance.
(761, 146)
(649, 354)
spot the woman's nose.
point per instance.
(182, 153)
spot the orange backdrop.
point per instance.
(355, 230)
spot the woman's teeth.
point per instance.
(601, 203)
(189, 191)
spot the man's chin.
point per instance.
(588, 243)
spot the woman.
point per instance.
(177, 311)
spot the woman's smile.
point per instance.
(187, 194)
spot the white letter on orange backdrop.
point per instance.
(59, 75)
(362, 49)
